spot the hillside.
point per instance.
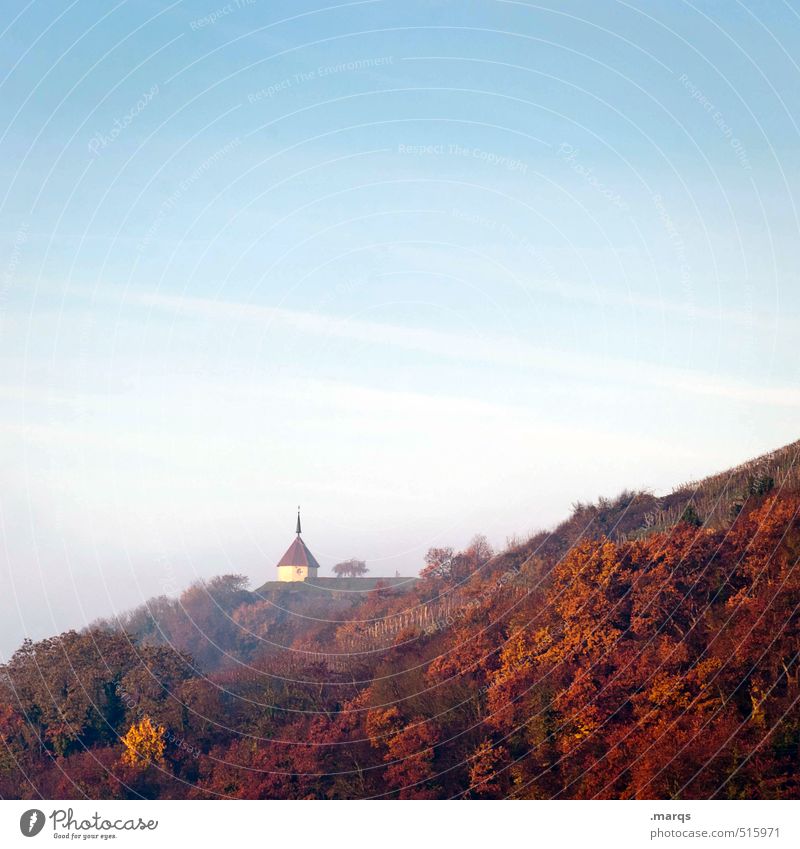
(644, 648)
(715, 500)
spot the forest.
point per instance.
(646, 648)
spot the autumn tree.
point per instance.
(144, 744)
(410, 758)
(447, 565)
(486, 772)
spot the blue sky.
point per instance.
(427, 269)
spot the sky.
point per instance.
(427, 269)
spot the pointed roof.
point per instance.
(298, 555)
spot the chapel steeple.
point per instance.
(298, 564)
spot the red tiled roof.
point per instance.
(298, 555)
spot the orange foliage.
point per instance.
(144, 744)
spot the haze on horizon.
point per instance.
(427, 269)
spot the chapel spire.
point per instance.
(298, 564)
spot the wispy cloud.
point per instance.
(512, 353)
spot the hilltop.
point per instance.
(712, 502)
